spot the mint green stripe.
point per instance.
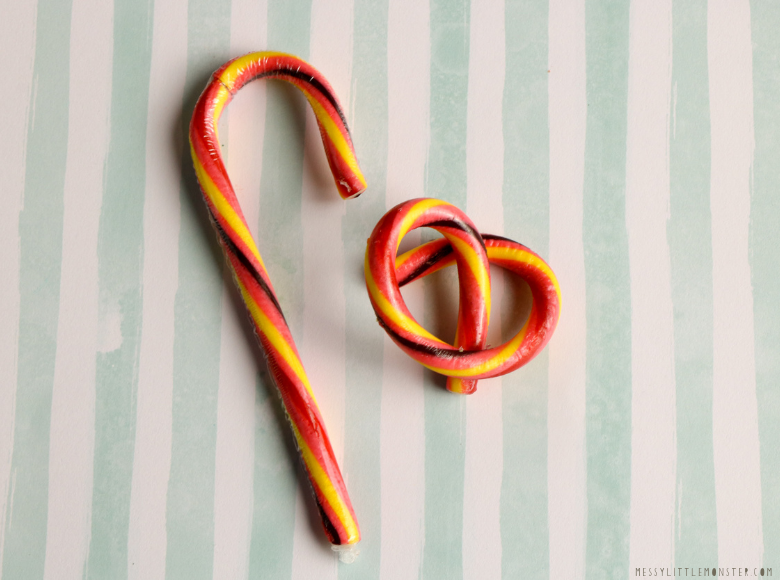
(40, 233)
(608, 302)
(275, 482)
(120, 263)
(765, 253)
(280, 238)
(445, 424)
(449, 96)
(690, 248)
(364, 340)
(445, 413)
(280, 233)
(197, 327)
(524, 528)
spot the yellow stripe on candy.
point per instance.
(455, 385)
(490, 364)
(276, 339)
(411, 216)
(513, 255)
(403, 258)
(336, 136)
(400, 319)
(234, 70)
(222, 98)
(480, 271)
(224, 208)
(327, 489)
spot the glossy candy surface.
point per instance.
(468, 359)
(250, 274)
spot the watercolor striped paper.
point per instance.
(633, 145)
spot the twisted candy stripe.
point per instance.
(338, 517)
(467, 360)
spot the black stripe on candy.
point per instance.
(458, 225)
(503, 239)
(433, 350)
(313, 81)
(329, 527)
(434, 259)
(446, 250)
(238, 253)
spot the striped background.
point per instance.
(635, 145)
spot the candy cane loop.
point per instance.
(338, 517)
(467, 360)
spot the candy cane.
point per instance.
(338, 517)
(467, 360)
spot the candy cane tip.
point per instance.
(354, 195)
(352, 188)
(348, 553)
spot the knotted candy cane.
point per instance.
(338, 517)
(467, 360)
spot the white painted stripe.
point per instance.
(484, 466)
(147, 539)
(323, 344)
(402, 430)
(17, 50)
(485, 129)
(402, 458)
(734, 406)
(485, 179)
(72, 431)
(566, 467)
(234, 463)
(653, 401)
(240, 356)
(408, 99)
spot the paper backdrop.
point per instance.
(634, 145)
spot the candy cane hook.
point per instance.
(338, 517)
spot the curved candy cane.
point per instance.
(467, 360)
(338, 517)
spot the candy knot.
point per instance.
(469, 358)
